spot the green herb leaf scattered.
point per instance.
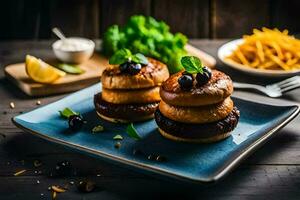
(118, 137)
(149, 37)
(132, 132)
(67, 112)
(192, 64)
(71, 69)
(97, 129)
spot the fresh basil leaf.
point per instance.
(192, 64)
(71, 69)
(140, 58)
(132, 132)
(97, 129)
(67, 112)
(118, 137)
(120, 57)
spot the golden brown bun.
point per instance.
(147, 95)
(198, 140)
(124, 121)
(151, 75)
(197, 115)
(216, 90)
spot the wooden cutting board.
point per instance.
(93, 70)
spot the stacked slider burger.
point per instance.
(130, 87)
(196, 104)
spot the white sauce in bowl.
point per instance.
(73, 44)
(73, 49)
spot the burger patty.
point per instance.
(190, 131)
(123, 111)
(218, 88)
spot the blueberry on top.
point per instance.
(186, 81)
(131, 68)
(203, 78)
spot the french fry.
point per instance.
(268, 49)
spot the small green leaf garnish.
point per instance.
(140, 58)
(121, 56)
(124, 55)
(192, 64)
(97, 129)
(132, 132)
(118, 137)
(71, 69)
(67, 112)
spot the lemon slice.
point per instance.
(40, 71)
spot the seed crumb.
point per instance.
(57, 189)
(37, 182)
(151, 157)
(98, 175)
(54, 195)
(72, 182)
(118, 145)
(38, 102)
(37, 163)
(160, 158)
(19, 172)
(12, 105)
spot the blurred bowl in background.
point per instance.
(73, 49)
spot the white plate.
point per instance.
(226, 49)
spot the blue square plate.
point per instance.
(192, 162)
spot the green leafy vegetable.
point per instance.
(123, 55)
(192, 64)
(71, 69)
(97, 129)
(118, 137)
(132, 132)
(67, 112)
(149, 37)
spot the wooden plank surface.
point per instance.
(119, 11)
(22, 19)
(234, 18)
(190, 17)
(284, 14)
(273, 172)
(75, 17)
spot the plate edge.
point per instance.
(214, 178)
(255, 146)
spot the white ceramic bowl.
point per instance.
(229, 47)
(75, 55)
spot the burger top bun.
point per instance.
(151, 75)
(218, 88)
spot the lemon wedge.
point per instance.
(40, 71)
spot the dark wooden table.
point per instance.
(273, 172)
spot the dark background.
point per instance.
(33, 19)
